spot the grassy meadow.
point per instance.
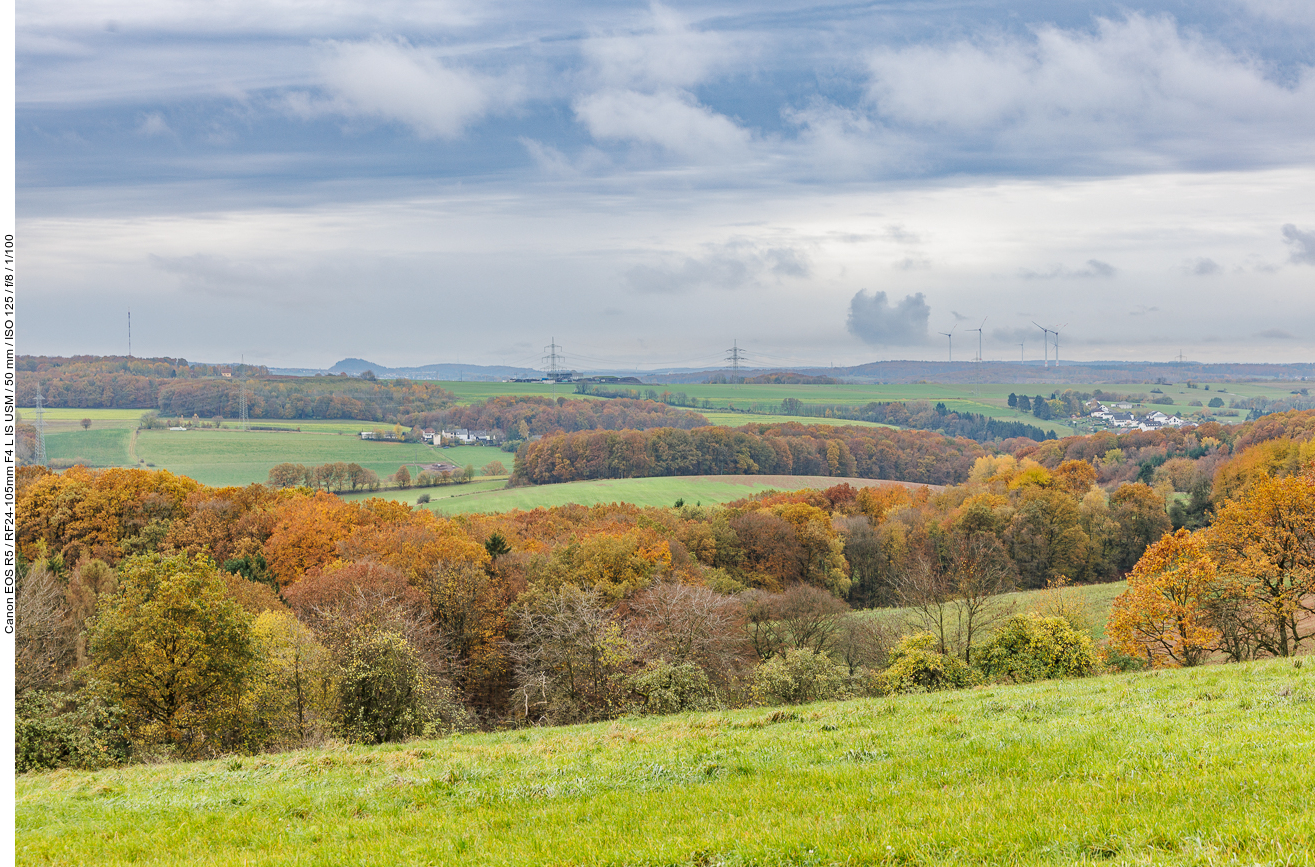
(232, 457)
(1198, 766)
(659, 491)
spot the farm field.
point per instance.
(735, 419)
(229, 457)
(107, 447)
(659, 491)
(411, 495)
(1188, 767)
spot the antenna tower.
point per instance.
(41, 431)
(735, 355)
(130, 332)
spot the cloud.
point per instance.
(1092, 268)
(1203, 267)
(641, 89)
(729, 266)
(675, 121)
(154, 124)
(1303, 245)
(873, 320)
(1276, 334)
(396, 82)
(1134, 92)
(667, 54)
(1142, 310)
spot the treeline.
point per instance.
(754, 449)
(521, 417)
(921, 415)
(90, 381)
(304, 398)
(176, 388)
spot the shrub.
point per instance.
(672, 688)
(1030, 647)
(423, 498)
(915, 666)
(77, 730)
(386, 692)
(797, 676)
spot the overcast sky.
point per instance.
(465, 181)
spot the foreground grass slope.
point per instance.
(1202, 766)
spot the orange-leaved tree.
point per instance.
(1264, 542)
(1163, 615)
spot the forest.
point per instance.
(160, 618)
(177, 389)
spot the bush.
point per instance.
(797, 676)
(387, 694)
(423, 498)
(672, 688)
(1030, 647)
(915, 666)
(77, 730)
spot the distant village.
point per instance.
(1119, 415)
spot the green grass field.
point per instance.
(1205, 766)
(735, 419)
(412, 495)
(230, 457)
(1096, 600)
(107, 447)
(661, 491)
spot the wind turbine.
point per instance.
(978, 329)
(1056, 333)
(950, 335)
(1045, 342)
(1020, 354)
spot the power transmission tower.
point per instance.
(242, 402)
(735, 355)
(1181, 358)
(41, 431)
(553, 360)
(130, 333)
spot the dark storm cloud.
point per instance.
(874, 320)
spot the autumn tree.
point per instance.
(1163, 616)
(174, 649)
(1264, 543)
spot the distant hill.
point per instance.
(445, 372)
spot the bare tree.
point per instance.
(803, 617)
(957, 597)
(42, 649)
(864, 642)
(571, 657)
(688, 623)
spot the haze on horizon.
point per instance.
(456, 181)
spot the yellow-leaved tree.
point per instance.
(1163, 616)
(1264, 544)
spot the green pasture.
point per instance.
(106, 447)
(474, 392)
(1203, 766)
(411, 495)
(232, 457)
(660, 491)
(735, 419)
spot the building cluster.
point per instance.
(1119, 416)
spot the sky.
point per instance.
(648, 185)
